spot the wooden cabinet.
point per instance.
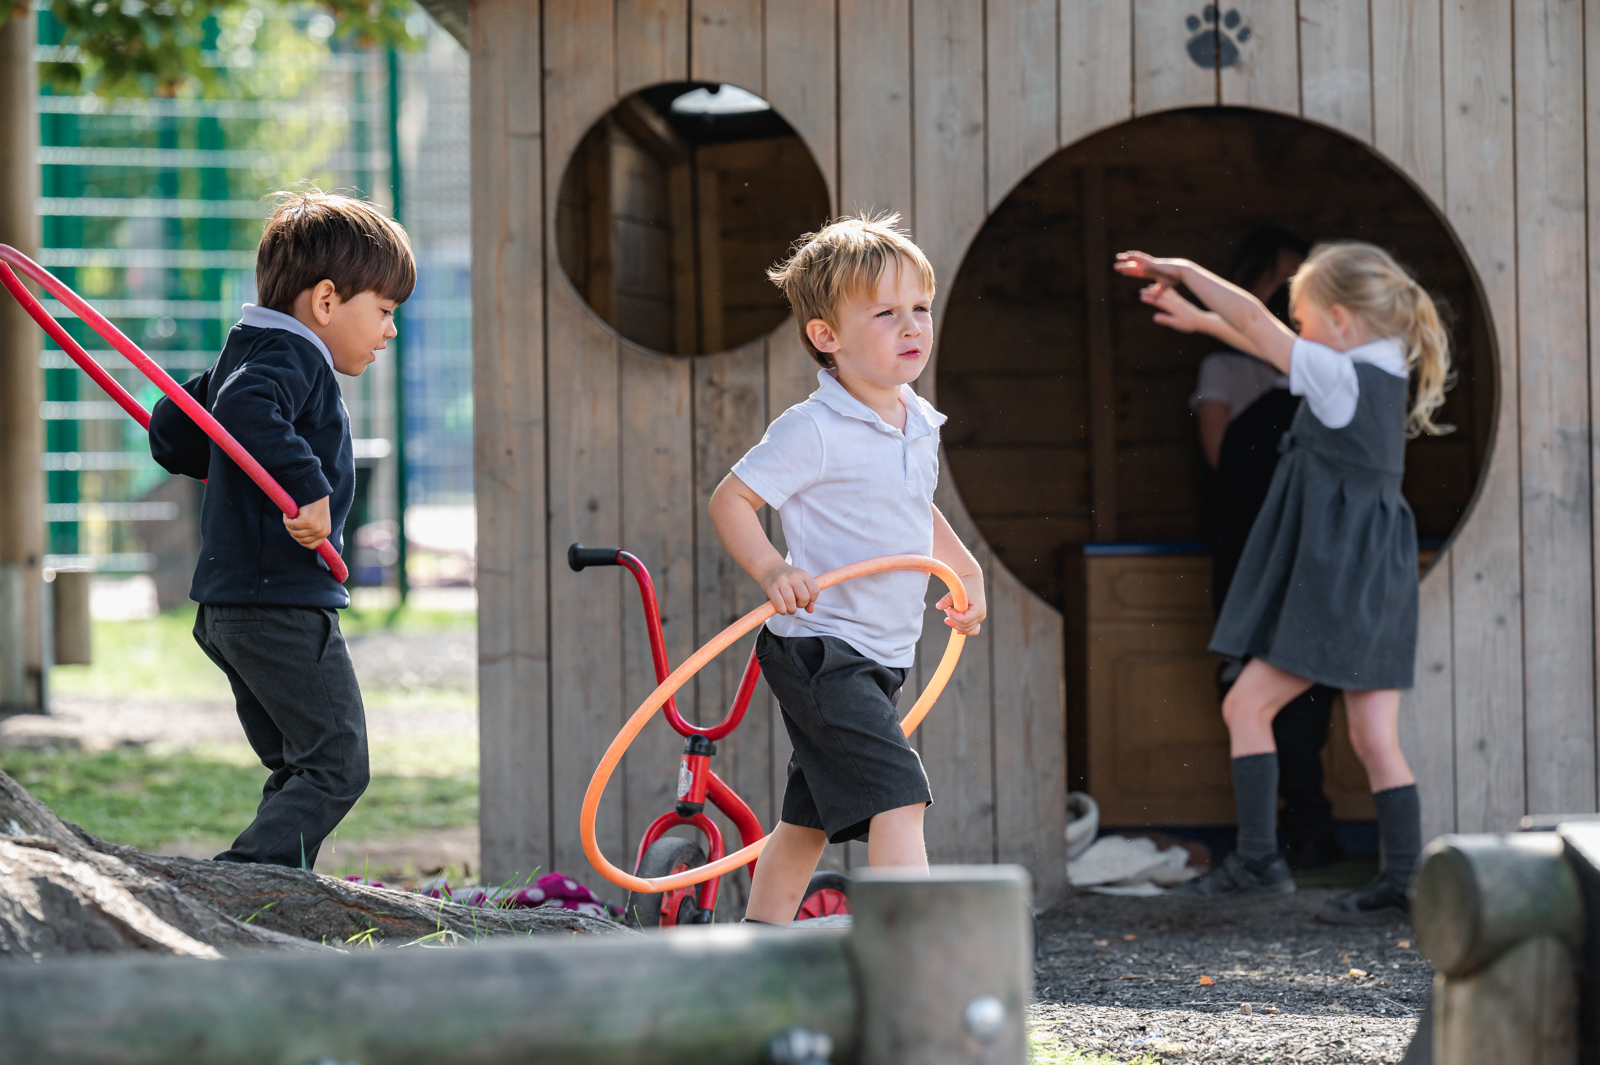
(1156, 750)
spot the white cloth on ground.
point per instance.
(1121, 863)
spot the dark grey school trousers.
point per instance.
(301, 710)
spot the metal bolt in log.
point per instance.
(1476, 897)
(945, 964)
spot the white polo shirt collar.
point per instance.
(838, 398)
(266, 318)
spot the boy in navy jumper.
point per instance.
(330, 270)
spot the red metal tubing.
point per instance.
(658, 641)
(706, 893)
(658, 656)
(741, 700)
(727, 800)
(11, 257)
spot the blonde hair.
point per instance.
(1368, 282)
(842, 260)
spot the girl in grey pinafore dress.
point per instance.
(1326, 588)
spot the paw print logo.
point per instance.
(1212, 46)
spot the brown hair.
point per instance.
(311, 235)
(843, 259)
(1367, 281)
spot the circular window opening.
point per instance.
(673, 206)
(1070, 415)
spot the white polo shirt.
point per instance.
(849, 486)
(1327, 378)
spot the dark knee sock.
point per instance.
(752, 920)
(1399, 829)
(1255, 796)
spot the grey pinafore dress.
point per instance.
(1327, 584)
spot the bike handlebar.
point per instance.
(579, 557)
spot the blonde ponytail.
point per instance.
(1367, 281)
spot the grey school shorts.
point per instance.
(850, 759)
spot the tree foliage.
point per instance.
(156, 47)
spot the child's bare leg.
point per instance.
(783, 871)
(1375, 735)
(1253, 701)
(896, 838)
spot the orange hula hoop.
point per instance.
(696, 662)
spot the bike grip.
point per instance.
(579, 556)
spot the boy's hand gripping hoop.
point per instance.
(11, 257)
(697, 661)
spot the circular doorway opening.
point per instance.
(673, 205)
(1072, 440)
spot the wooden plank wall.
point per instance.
(937, 108)
(633, 442)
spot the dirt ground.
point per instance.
(1131, 977)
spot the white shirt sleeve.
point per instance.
(788, 458)
(1327, 379)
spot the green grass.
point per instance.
(153, 659)
(1044, 1048)
(144, 798)
(157, 658)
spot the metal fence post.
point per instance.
(944, 963)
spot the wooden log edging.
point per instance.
(935, 968)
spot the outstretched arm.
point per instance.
(1175, 312)
(1271, 340)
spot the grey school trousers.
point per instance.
(301, 710)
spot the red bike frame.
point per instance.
(697, 784)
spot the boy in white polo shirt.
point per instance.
(851, 472)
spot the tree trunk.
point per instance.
(63, 891)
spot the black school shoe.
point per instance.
(1237, 876)
(1381, 901)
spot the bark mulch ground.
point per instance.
(1166, 979)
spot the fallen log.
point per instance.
(64, 891)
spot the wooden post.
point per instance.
(945, 964)
(1501, 918)
(69, 609)
(1521, 1009)
(21, 389)
(1478, 896)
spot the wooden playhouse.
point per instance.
(627, 351)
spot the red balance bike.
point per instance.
(663, 855)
